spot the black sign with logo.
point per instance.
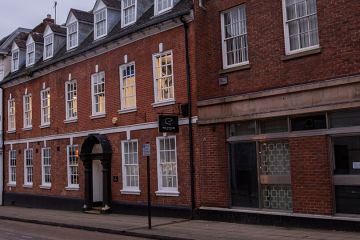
(168, 123)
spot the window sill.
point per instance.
(11, 131)
(27, 186)
(167, 193)
(11, 184)
(97, 116)
(130, 110)
(47, 187)
(44, 126)
(130, 192)
(70, 121)
(301, 54)
(235, 69)
(27, 128)
(164, 103)
(70, 188)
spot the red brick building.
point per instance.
(94, 90)
(266, 93)
(278, 106)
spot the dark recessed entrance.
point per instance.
(96, 155)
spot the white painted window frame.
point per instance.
(15, 63)
(123, 9)
(48, 44)
(96, 22)
(2, 72)
(12, 168)
(98, 75)
(27, 167)
(69, 34)
(287, 37)
(11, 115)
(123, 98)
(45, 165)
(45, 95)
(30, 54)
(27, 111)
(156, 79)
(71, 104)
(223, 39)
(70, 185)
(166, 191)
(130, 189)
(158, 12)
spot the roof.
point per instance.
(83, 16)
(183, 7)
(20, 40)
(57, 28)
(37, 37)
(6, 42)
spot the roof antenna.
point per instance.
(55, 5)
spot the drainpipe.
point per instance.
(2, 172)
(190, 132)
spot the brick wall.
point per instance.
(339, 41)
(310, 175)
(213, 170)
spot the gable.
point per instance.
(29, 40)
(14, 47)
(48, 31)
(71, 19)
(99, 5)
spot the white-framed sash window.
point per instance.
(128, 86)
(71, 99)
(30, 54)
(234, 37)
(163, 6)
(72, 35)
(167, 166)
(27, 111)
(128, 12)
(300, 25)
(28, 167)
(163, 77)
(12, 167)
(15, 60)
(46, 167)
(45, 107)
(11, 115)
(130, 166)
(48, 46)
(72, 167)
(98, 93)
(100, 24)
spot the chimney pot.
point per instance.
(48, 16)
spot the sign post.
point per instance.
(146, 153)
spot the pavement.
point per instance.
(166, 228)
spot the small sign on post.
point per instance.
(147, 153)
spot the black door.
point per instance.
(244, 176)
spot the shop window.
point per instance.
(243, 128)
(347, 155)
(345, 118)
(308, 123)
(274, 125)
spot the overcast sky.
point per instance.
(29, 13)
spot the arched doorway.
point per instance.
(96, 155)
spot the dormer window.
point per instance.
(128, 12)
(48, 46)
(15, 60)
(72, 35)
(30, 54)
(163, 6)
(100, 23)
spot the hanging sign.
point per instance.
(168, 123)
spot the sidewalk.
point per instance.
(166, 228)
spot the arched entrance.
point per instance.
(96, 156)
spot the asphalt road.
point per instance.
(10, 230)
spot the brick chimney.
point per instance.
(48, 19)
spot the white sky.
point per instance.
(29, 13)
